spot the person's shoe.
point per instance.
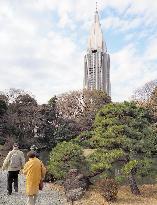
(9, 193)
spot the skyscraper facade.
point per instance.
(97, 60)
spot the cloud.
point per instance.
(45, 63)
(130, 70)
(151, 53)
(121, 25)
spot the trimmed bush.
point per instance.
(63, 157)
(75, 185)
(109, 189)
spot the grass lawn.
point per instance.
(148, 197)
(93, 197)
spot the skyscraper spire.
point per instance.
(95, 41)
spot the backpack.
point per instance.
(15, 161)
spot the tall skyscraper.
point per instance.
(97, 60)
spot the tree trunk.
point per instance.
(133, 185)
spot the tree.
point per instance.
(13, 93)
(143, 94)
(123, 136)
(3, 117)
(51, 127)
(92, 102)
(153, 104)
(146, 97)
(3, 107)
(80, 107)
(46, 120)
(21, 119)
(63, 157)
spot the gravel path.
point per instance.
(45, 197)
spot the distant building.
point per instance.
(97, 60)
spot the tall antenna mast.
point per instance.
(96, 6)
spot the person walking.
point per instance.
(34, 170)
(13, 162)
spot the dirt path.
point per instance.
(46, 197)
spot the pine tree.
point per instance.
(122, 135)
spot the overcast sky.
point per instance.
(43, 43)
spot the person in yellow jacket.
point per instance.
(35, 172)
